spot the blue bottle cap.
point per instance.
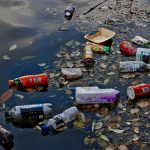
(45, 129)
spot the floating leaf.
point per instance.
(89, 141)
(98, 125)
(69, 92)
(104, 138)
(13, 47)
(6, 96)
(19, 96)
(113, 125)
(6, 57)
(134, 111)
(110, 147)
(106, 81)
(116, 130)
(78, 124)
(42, 64)
(143, 103)
(135, 138)
(136, 130)
(123, 147)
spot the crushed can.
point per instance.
(132, 66)
(143, 54)
(127, 48)
(38, 82)
(99, 49)
(71, 73)
(94, 95)
(88, 56)
(34, 112)
(68, 13)
(138, 91)
(140, 41)
(60, 120)
(6, 138)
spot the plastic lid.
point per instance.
(10, 83)
(106, 49)
(45, 129)
(130, 92)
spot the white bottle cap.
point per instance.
(130, 92)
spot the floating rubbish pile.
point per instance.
(87, 98)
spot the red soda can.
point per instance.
(138, 91)
(127, 48)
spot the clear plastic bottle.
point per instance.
(30, 112)
(6, 138)
(132, 66)
(60, 120)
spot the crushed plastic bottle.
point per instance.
(140, 41)
(94, 95)
(143, 54)
(6, 138)
(132, 66)
(60, 120)
(35, 112)
(71, 73)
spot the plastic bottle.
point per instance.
(60, 120)
(143, 54)
(94, 95)
(132, 66)
(6, 138)
(99, 49)
(69, 12)
(88, 56)
(35, 112)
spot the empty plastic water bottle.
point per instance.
(35, 112)
(60, 120)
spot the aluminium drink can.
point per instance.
(138, 91)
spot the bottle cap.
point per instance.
(45, 129)
(106, 49)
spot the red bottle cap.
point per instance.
(10, 83)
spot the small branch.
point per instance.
(94, 7)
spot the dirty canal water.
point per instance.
(32, 26)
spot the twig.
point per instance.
(94, 7)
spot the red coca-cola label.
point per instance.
(127, 49)
(138, 91)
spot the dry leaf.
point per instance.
(116, 130)
(135, 138)
(69, 92)
(123, 147)
(13, 47)
(104, 138)
(19, 96)
(113, 125)
(109, 147)
(134, 111)
(6, 96)
(89, 141)
(103, 111)
(78, 124)
(143, 103)
(136, 130)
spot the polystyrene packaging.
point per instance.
(92, 95)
